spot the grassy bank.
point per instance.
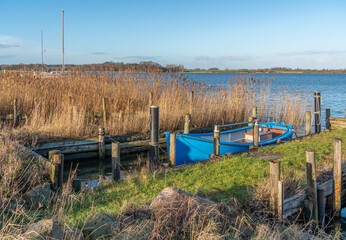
(238, 183)
(57, 106)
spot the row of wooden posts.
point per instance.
(315, 202)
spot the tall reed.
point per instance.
(58, 105)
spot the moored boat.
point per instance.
(197, 147)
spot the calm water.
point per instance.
(332, 86)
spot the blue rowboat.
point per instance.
(197, 147)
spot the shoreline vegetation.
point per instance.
(64, 106)
(146, 66)
(238, 184)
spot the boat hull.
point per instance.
(197, 147)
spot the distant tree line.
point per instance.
(268, 70)
(144, 66)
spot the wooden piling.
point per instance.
(102, 151)
(321, 206)
(115, 161)
(191, 102)
(311, 182)
(317, 113)
(59, 160)
(15, 113)
(254, 112)
(172, 148)
(187, 123)
(250, 119)
(104, 114)
(256, 134)
(274, 179)
(217, 140)
(154, 157)
(327, 119)
(337, 173)
(281, 199)
(307, 123)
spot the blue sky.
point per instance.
(224, 34)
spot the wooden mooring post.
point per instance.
(187, 124)
(307, 123)
(15, 113)
(317, 113)
(312, 184)
(172, 148)
(337, 173)
(217, 140)
(281, 198)
(256, 134)
(274, 185)
(102, 152)
(254, 112)
(59, 161)
(154, 155)
(115, 161)
(327, 119)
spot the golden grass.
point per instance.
(58, 106)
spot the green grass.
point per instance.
(219, 180)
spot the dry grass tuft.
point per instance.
(63, 106)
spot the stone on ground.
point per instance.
(73, 234)
(99, 225)
(44, 229)
(38, 196)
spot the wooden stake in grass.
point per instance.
(172, 148)
(256, 134)
(337, 173)
(274, 179)
(115, 161)
(312, 183)
(217, 140)
(307, 123)
(321, 205)
(187, 123)
(59, 160)
(281, 200)
(154, 157)
(102, 151)
(327, 119)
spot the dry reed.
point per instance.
(63, 106)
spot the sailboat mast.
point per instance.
(63, 60)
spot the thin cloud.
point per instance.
(4, 45)
(138, 58)
(98, 53)
(312, 52)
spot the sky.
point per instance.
(229, 34)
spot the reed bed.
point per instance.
(63, 106)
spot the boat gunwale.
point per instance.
(289, 130)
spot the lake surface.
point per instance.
(331, 85)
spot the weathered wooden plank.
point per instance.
(311, 182)
(293, 204)
(337, 174)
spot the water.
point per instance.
(331, 86)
